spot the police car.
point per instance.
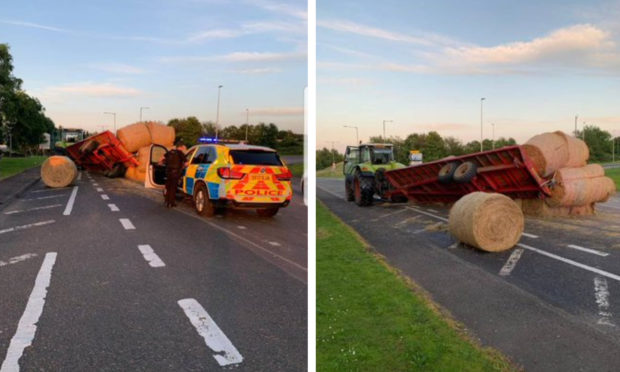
(228, 175)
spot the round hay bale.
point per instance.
(135, 174)
(548, 151)
(58, 171)
(134, 136)
(143, 158)
(578, 151)
(581, 191)
(489, 221)
(589, 171)
(161, 134)
(539, 208)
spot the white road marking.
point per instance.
(428, 214)
(150, 256)
(530, 235)
(105, 197)
(216, 340)
(71, 201)
(95, 184)
(99, 189)
(330, 192)
(79, 177)
(571, 262)
(389, 214)
(432, 210)
(589, 250)
(113, 207)
(601, 295)
(241, 227)
(275, 244)
(45, 197)
(127, 224)
(512, 262)
(58, 189)
(24, 227)
(17, 259)
(33, 209)
(27, 326)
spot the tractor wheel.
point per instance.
(203, 205)
(446, 173)
(363, 190)
(348, 188)
(465, 172)
(267, 212)
(89, 147)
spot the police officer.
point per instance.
(175, 162)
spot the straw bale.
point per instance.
(58, 171)
(548, 152)
(134, 136)
(578, 151)
(161, 134)
(135, 174)
(581, 191)
(491, 222)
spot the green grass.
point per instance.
(11, 166)
(331, 173)
(369, 318)
(614, 174)
(296, 169)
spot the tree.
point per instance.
(188, 130)
(325, 157)
(598, 141)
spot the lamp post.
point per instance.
(481, 101)
(142, 108)
(357, 137)
(247, 123)
(217, 117)
(114, 113)
(385, 121)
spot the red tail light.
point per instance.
(285, 176)
(229, 174)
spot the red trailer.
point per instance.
(507, 170)
(104, 153)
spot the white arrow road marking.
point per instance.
(71, 201)
(127, 224)
(113, 207)
(27, 326)
(601, 294)
(24, 227)
(512, 262)
(150, 256)
(33, 209)
(17, 259)
(215, 339)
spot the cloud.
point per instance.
(246, 29)
(34, 25)
(277, 111)
(258, 71)
(94, 90)
(346, 81)
(240, 57)
(281, 8)
(118, 68)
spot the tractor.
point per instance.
(364, 171)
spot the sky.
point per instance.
(84, 58)
(425, 65)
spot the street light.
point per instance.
(217, 118)
(357, 137)
(575, 133)
(142, 108)
(247, 123)
(386, 121)
(481, 100)
(114, 113)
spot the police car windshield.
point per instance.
(255, 157)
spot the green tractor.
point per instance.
(364, 172)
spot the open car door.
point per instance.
(156, 170)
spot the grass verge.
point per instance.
(331, 173)
(11, 166)
(369, 318)
(296, 169)
(614, 174)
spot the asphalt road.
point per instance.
(549, 304)
(135, 286)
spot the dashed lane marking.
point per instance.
(240, 227)
(16, 259)
(79, 177)
(512, 262)
(275, 244)
(69, 207)
(113, 207)
(99, 189)
(27, 326)
(24, 227)
(588, 250)
(33, 209)
(150, 256)
(530, 235)
(105, 197)
(127, 224)
(225, 352)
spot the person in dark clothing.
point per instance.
(175, 162)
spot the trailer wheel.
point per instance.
(465, 172)
(348, 188)
(446, 173)
(363, 190)
(89, 147)
(117, 171)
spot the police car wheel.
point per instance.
(203, 205)
(267, 212)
